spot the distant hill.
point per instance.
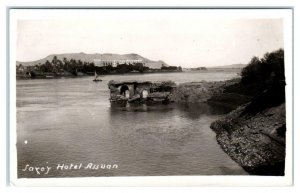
(231, 66)
(91, 57)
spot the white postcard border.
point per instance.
(286, 14)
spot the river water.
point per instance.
(64, 122)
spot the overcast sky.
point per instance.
(187, 39)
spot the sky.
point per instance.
(181, 38)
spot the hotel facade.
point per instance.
(114, 63)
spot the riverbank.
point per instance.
(256, 142)
(253, 133)
(69, 75)
(216, 92)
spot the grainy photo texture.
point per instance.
(150, 93)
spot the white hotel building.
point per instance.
(114, 63)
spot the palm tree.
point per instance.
(54, 60)
(65, 60)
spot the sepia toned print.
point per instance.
(168, 93)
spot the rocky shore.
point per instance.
(253, 133)
(217, 92)
(193, 92)
(256, 142)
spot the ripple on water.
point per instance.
(71, 121)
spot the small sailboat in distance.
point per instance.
(96, 78)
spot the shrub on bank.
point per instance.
(266, 70)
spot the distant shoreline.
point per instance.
(22, 77)
(91, 74)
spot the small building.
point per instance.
(124, 92)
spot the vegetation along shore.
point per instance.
(81, 64)
(253, 133)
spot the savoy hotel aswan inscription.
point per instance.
(46, 169)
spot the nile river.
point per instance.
(70, 121)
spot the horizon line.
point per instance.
(210, 66)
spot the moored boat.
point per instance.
(96, 79)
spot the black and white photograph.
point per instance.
(150, 93)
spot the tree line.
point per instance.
(266, 70)
(74, 67)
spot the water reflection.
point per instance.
(192, 110)
(171, 139)
(72, 121)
